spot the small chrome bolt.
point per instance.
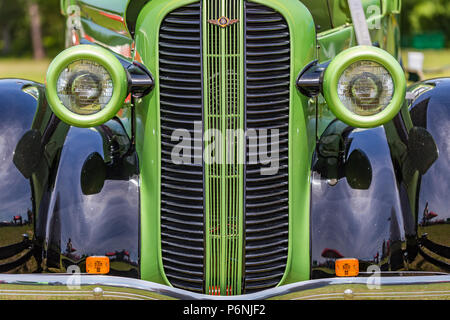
(348, 294)
(332, 182)
(98, 292)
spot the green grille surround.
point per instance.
(225, 225)
(223, 107)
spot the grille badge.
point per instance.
(223, 22)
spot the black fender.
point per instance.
(430, 110)
(92, 206)
(409, 159)
(66, 192)
(356, 207)
(19, 100)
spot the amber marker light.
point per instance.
(347, 267)
(97, 265)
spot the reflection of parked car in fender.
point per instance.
(123, 255)
(17, 220)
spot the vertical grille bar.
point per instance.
(182, 218)
(224, 119)
(267, 108)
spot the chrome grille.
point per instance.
(183, 188)
(182, 221)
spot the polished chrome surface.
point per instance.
(82, 286)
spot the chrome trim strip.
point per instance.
(110, 287)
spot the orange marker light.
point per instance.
(347, 267)
(97, 265)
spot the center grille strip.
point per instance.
(224, 164)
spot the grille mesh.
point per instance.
(182, 221)
(268, 75)
(267, 85)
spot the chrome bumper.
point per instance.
(81, 287)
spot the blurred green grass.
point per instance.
(24, 69)
(436, 61)
(14, 234)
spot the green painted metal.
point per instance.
(340, 12)
(342, 37)
(301, 138)
(302, 131)
(340, 63)
(332, 42)
(114, 6)
(331, 14)
(103, 23)
(64, 5)
(108, 37)
(104, 58)
(224, 110)
(302, 124)
(320, 13)
(148, 139)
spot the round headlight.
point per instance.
(364, 86)
(86, 85)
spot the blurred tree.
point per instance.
(53, 26)
(423, 16)
(16, 38)
(16, 32)
(8, 10)
(35, 29)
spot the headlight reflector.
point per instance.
(366, 88)
(85, 87)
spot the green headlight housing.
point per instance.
(86, 86)
(364, 86)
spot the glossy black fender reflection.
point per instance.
(74, 223)
(431, 110)
(19, 100)
(356, 208)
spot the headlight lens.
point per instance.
(366, 88)
(85, 87)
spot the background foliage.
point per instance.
(15, 28)
(423, 16)
(419, 16)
